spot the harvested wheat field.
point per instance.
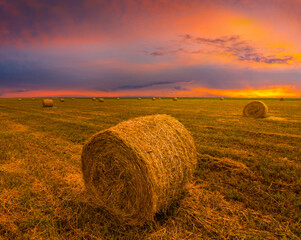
(246, 183)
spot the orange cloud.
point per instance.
(268, 92)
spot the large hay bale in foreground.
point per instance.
(256, 109)
(47, 102)
(175, 99)
(139, 167)
(101, 100)
(62, 100)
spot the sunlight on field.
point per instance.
(247, 183)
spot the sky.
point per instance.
(173, 48)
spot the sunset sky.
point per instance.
(183, 48)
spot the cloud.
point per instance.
(242, 50)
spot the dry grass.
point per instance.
(246, 184)
(139, 167)
(256, 109)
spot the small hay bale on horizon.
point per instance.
(94, 99)
(101, 100)
(175, 99)
(153, 98)
(139, 98)
(73, 98)
(221, 98)
(255, 109)
(19, 99)
(118, 98)
(62, 100)
(159, 98)
(139, 167)
(282, 99)
(47, 103)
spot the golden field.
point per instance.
(247, 184)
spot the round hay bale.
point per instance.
(94, 99)
(62, 100)
(175, 99)
(139, 167)
(282, 99)
(221, 98)
(19, 99)
(153, 98)
(118, 98)
(73, 98)
(101, 100)
(159, 98)
(256, 109)
(47, 102)
(32, 99)
(139, 98)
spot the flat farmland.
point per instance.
(247, 184)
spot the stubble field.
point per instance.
(247, 184)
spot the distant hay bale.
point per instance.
(32, 99)
(139, 167)
(256, 109)
(73, 98)
(159, 98)
(139, 98)
(62, 100)
(94, 99)
(101, 100)
(19, 99)
(175, 99)
(282, 99)
(221, 98)
(153, 98)
(47, 102)
(118, 98)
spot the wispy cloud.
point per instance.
(234, 46)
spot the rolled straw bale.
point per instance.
(139, 167)
(62, 100)
(139, 98)
(47, 102)
(256, 109)
(221, 98)
(282, 99)
(175, 99)
(153, 98)
(159, 98)
(20, 99)
(73, 98)
(32, 99)
(94, 99)
(101, 100)
(118, 98)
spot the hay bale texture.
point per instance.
(19, 99)
(221, 98)
(256, 109)
(47, 102)
(139, 167)
(101, 100)
(62, 100)
(175, 99)
(153, 98)
(138, 98)
(94, 99)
